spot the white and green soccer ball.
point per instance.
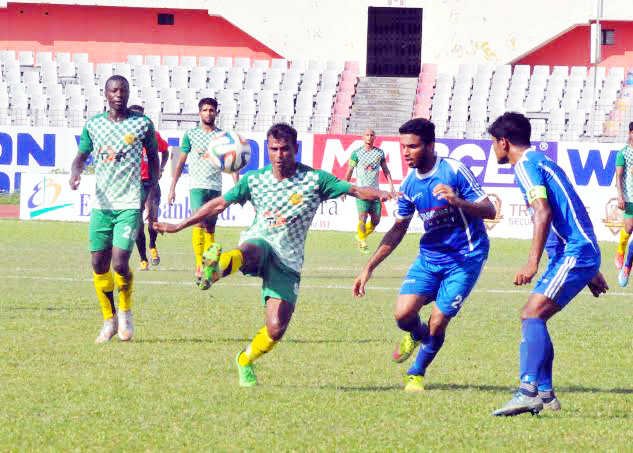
(229, 152)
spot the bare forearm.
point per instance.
(177, 173)
(366, 193)
(164, 158)
(388, 244)
(542, 220)
(78, 164)
(483, 209)
(210, 208)
(619, 173)
(153, 168)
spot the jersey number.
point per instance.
(128, 231)
(457, 302)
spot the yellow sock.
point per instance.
(361, 231)
(197, 240)
(624, 239)
(125, 290)
(230, 262)
(209, 238)
(104, 285)
(261, 344)
(369, 228)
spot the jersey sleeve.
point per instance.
(330, 186)
(619, 159)
(185, 146)
(530, 180)
(353, 160)
(406, 207)
(149, 141)
(468, 187)
(163, 146)
(85, 142)
(241, 192)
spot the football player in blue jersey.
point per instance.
(453, 249)
(573, 252)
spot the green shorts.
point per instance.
(279, 281)
(113, 228)
(371, 207)
(198, 197)
(628, 210)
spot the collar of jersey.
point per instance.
(524, 156)
(431, 172)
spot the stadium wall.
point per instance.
(453, 31)
(110, 34)
(27, 157)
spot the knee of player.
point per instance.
(437, 325)
(276, 327)
(120, 267)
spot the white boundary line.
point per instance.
(345, 287)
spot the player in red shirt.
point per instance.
(150, 201)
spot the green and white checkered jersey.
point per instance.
(118, 148)
(284, 209)
(624, 159)
(202, 175)
(367, 164)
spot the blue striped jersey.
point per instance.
(571, 226)
(450, 234)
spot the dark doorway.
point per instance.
(394, 42)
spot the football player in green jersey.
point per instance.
(368, 160)
(205, 181)
(624, 184)
(286, 195)
(117, 138)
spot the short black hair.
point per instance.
(118, 78)
(421, 127)
(137, 108)
(207, 101)
(631, 126)
(512, 126)
(283, 131)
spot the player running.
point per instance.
(205, 181)
(624, 183)
(574, 257)
(150, 201)
(117, 137)
(453, 249)
(285, 195)
(368, 160)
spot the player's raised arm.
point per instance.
(371, 194)
(210, 208)
(388, 244)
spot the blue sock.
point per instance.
(534, 351)
(418, 331)
(629, 256)
(426, 354)
(545, 374)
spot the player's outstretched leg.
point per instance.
(104, 286)
(216, 264)
(416, 331)
(619, 253)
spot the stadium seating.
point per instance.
(564, 103)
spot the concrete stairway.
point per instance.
(383, 104)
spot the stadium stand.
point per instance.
(563, 103)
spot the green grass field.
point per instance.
(329, 385)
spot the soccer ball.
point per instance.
(228, 152)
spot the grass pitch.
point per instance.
(328, 386)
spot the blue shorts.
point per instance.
(448, 284)
(564, 278)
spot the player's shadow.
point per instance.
(497, 388)
(61, 308)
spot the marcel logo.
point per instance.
(45, 195)
(613, 219)
(496, 201)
